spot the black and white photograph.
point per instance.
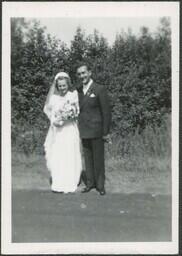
(90, 113)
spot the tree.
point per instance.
(97, 55)
(136, 70)
(77, 52)
(35, 60)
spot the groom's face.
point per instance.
(83, 74)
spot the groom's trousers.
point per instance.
(94, 162)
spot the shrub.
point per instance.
(153, 141)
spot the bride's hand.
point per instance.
(57, 124)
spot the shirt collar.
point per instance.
(89, 84)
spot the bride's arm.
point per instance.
(53, 113)
(48, 111)
(76, 103)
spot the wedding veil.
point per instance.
(52, 90)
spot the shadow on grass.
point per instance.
(123, 175)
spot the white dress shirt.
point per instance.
(87, 86)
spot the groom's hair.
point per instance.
(83, 64)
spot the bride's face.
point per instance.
(62, 86)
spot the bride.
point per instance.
(62, 144)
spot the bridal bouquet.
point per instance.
(69, 111)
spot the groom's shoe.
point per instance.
(87, 189)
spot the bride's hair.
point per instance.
(67, 79)
(54, 89)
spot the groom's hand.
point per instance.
(107, 138)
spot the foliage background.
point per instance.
(136, 70)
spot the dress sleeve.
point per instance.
(75, 100)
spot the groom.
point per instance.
(94, 123)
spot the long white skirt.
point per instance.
(63, 156)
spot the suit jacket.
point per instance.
(95, 115)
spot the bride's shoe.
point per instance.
(57, 192)
(87, 189)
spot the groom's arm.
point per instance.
(105, 109)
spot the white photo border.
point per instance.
(86, 9)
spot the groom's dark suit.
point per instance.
(94, 123)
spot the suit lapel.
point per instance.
(87, 95)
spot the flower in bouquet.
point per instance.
(69, 111)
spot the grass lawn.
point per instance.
(123, 174)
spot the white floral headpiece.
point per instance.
(61, 74)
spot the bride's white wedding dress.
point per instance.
(62, 147)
